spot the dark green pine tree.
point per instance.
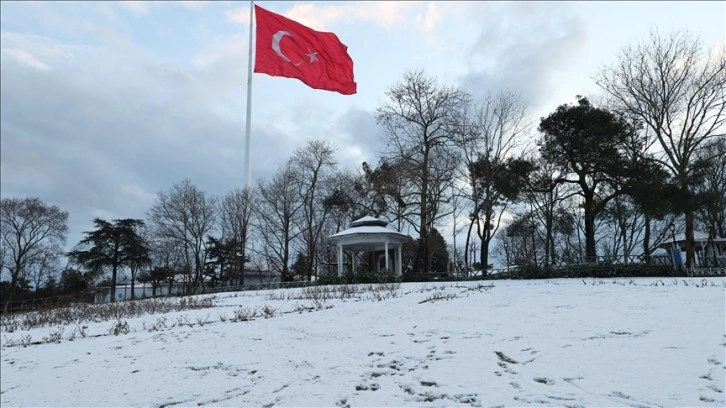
(438, 252)
(589, 146)
(112, 245)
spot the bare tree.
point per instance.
(185, 215)
(493, 134)
(43, 268)
(29, 228)
(545, 198)
(456, 226)
(387, 190)
(419, 116)
(277, 209)
(680, 95)
(440, 187)
(626, 225)
(345, 199)
(713, 188)
(567, 231)
(167, 258)
(236, 211)
(313, 166)
(138, 254)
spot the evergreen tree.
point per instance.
(111, 245)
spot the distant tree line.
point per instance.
(586, 181)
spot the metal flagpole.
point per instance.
(248, 164)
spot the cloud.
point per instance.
(27, 58)
(238, 15)
(321, 17)
(138, 8)
(35, 50)
(429, 22)
(360, 138)
(325, 16)
(117, 124)
(112, 132)
(507, 56)
(192, 5)
(230, 52)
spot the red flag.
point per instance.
(289, 49)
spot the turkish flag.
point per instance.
(289, 49)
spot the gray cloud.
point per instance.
(519, 46)
(361, 138)
(103, 137)
(105, 128)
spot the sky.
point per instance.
(105, 104)
(542, 343)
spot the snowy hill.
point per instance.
(639, 342)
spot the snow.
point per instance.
(368, 220)
(609, 342)
(370, 229)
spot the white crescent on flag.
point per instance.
(276, 45)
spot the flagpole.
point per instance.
(248, 164)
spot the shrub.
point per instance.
(594, 270)
(81, 313)
(120, 327)
(55, 336)
(411, 276)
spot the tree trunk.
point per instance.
(113, 282)
(484, 254)
(549, 238)
(690, 242)
(423, 244)
(466, 247)
(285, 258)
(624, 237)
(590, 251)
(133, 278)
(646, 239)
(486, 238)
(11, 289)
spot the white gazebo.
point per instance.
(370, 235)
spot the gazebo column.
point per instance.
(340, 260)
(354, 261)
(385, 245)
(399, 267)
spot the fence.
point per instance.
(257, 286)
(29, 305)
(566, 269)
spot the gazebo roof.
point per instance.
(368, 221)
(368, 233)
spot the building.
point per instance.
(710, 252)
(178, 287)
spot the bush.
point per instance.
(330, 278)
(411, 276)
(120, 327)
(82, 313)
(362, 276)
(366, 276)
(594, 270)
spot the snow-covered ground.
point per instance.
(602, 342)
